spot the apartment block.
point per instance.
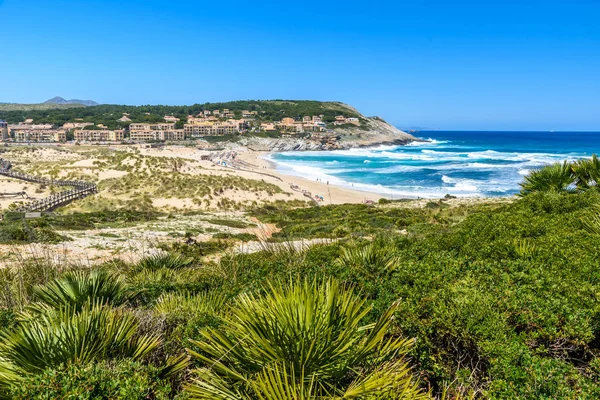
(197, 127)
(157, 135)
(99, 135)
(151, 127)
(40, 135)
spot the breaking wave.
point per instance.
(432, 168)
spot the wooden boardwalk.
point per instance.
(80, 190)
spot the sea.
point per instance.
(462, 164)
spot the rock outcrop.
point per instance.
(373, 131)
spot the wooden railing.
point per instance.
(81, 189)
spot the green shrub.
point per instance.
(106, 380)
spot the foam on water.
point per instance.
(457, 163)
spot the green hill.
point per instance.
(268, 110)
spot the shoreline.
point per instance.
(331, 193)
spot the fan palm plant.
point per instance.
(80, 287)
(207, 302)
(591, 223)
(373, 259)
(165, 260)
(303, 341)
(68, 335)
(557, 177)
(587, 172)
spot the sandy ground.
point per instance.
(331, 194)
(9, 186)
(131, 243)
(259, 168)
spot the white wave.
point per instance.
(502, 175)
(447, 179)
(461, 185)
(428, 142)
(466, 187)
(396, 169)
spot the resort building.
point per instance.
(151, 127)
(157, 135)
(308, 124)
(268, 127)
(341, 120)
(29, 127)
(155, 132)
(210, 129)
(171, 118)
(249, 114)
(40, 135)
(99, 135)
(124, 118)
(197, 127)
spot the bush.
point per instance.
(108, 380)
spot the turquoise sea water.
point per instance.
(457, 163)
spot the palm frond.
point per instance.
(170, 261)
(299, 340)
(79, 288)
(587, 172)
(372, 258)
(557, 177)
(591, 223)
(205, 302)
(68, 335)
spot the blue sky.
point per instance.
(459, 64)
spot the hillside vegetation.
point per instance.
(273, 110)
(497, 300)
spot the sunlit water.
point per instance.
(456, 163)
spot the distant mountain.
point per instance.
(60, 100)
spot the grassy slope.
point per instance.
(501, 298)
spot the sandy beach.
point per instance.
(252, 165)
(331, 194)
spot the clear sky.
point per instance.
(486, 64)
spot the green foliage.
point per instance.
(62, 336)
(78, 288)
(568, 176)
(373, 259)
(244, 237)
(204, 302)
(587, 172)
(501, 298)
(27, 231)
(168, 261)
(354, 219)
(557, 177)
(591, 222)
(307, 340)
(43, 230)
(228, 222)
(105, 380)
(273, 110)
